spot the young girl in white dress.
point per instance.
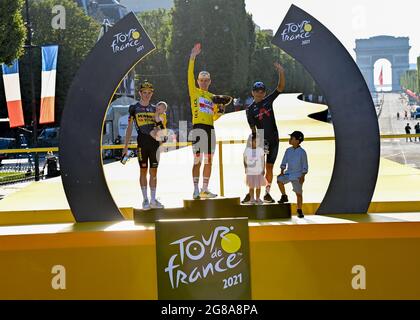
(254, 169)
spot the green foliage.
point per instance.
(262, 62)
(265, 54)
(223, 29)
(155, 66)
(75, 42)
(233, 52)
(409, 80)
(418, 74)
(12, 30)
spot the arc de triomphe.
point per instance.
(394, 49)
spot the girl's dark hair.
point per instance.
(251, 137)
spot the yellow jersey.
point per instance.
(203, 110)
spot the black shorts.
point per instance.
(147, 151)
(203, 138)
(273, 149)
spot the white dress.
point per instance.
(254, 159)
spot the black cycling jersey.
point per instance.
(143, 116)
(261, 116)
(148, 147)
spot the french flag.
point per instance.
(12, 91)
(48, 77)
(381, 77)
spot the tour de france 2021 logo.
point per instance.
(198, 258)
(298, 31)
(124, 40)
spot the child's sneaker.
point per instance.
(252, 202)
(259, 202)
(300, 213)
(283, 198)
(268, 198)
(246, 199)
(248, 202)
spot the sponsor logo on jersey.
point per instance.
(206, 106)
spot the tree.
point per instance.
(418, 74)
(265, 54)
(262, 61)
(409, 80)
(12, 30)
(154, 67)
(75, 42)
(223, 29)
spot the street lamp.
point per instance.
(29, 46)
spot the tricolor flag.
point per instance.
(381, 77)
(49, 70)
(12, 91)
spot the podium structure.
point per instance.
(215, 208)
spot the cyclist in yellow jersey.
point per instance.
(204, 113)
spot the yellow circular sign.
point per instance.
(308, 27)
(231, 243)
(136, 35)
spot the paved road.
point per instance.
(398, 150)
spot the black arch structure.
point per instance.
(357, 146)
(115, 54)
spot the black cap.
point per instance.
(258, 86)
(298, 135)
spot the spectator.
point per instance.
(417, 130)
(51, 164)
(408, 131)
(117, 152)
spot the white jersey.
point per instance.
(254, 159)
